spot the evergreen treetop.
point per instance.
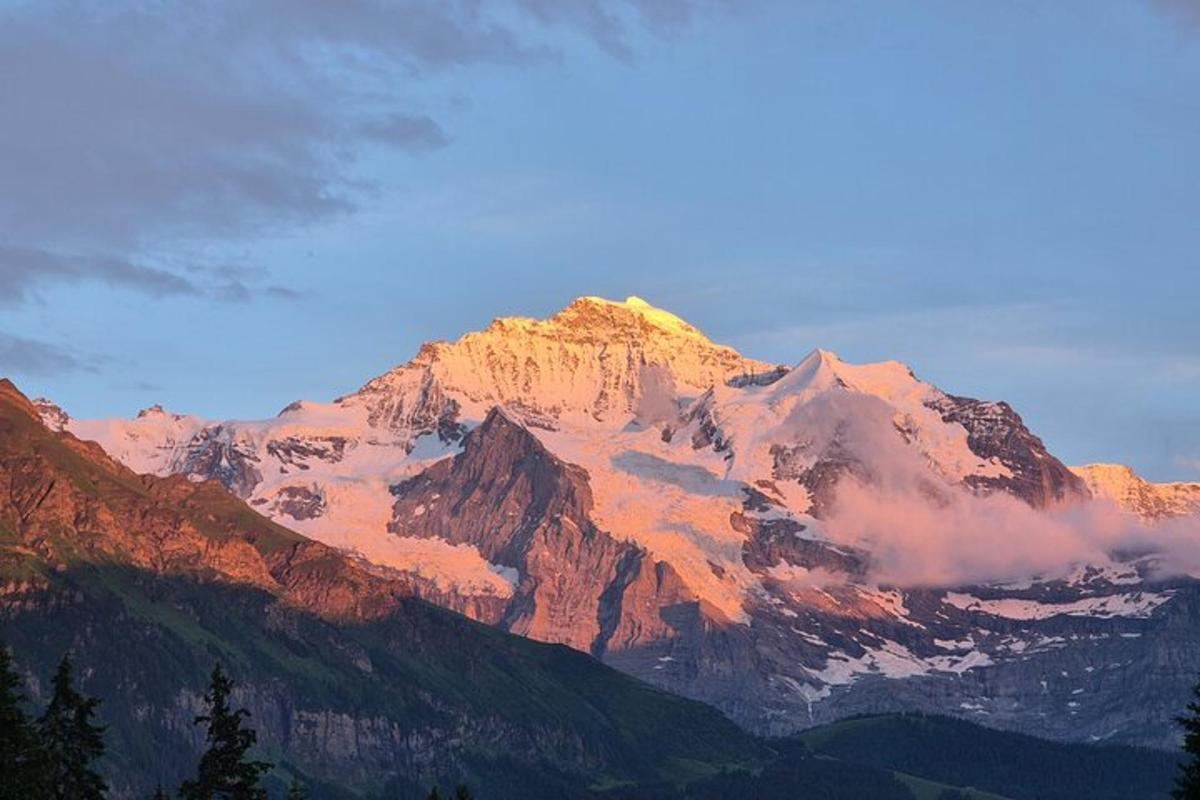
(1187, 784)
(296, 790)
(225, 771)
(72, 740)
(22, 761)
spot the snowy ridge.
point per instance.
(595, 361)
(1135, 495)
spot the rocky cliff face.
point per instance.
(610, 479)
(523, 509)
(996, 432)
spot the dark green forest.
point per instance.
(60, 752)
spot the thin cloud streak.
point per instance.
(22, 269)
(22, 356)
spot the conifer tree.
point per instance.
(461, 792)
(225, 772)
(1187, 784)
(296, 790)
(434, 794)
(21, 759)
(159, 794)
(72, 740)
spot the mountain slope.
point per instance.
(147, 581)
(932, 758)
(792, 544)
(1019, 767)
(523, 509)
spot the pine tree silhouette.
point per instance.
(22, 761)
(224, 771)
(72, 740)
(461, 792)
(1187, 785)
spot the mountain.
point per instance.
(1134, 494)
(793, 544)
(368, 692)
(350, 679)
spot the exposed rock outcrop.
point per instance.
(524, 509)
(1130, 492)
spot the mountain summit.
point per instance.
(792, 543)
(596, 360)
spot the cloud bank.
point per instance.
(922, 531)
(970, 539)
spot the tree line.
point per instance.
(53, 756)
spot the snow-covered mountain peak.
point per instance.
(597, 359)
(155, 410)
(53, 417)
(637, 308)
(816, 372)
(891, 381)
(587, 318)
(826, 419)
(1122, 486)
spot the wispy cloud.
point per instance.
(29, 357)
(24, 268)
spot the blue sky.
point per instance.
(224, 207)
